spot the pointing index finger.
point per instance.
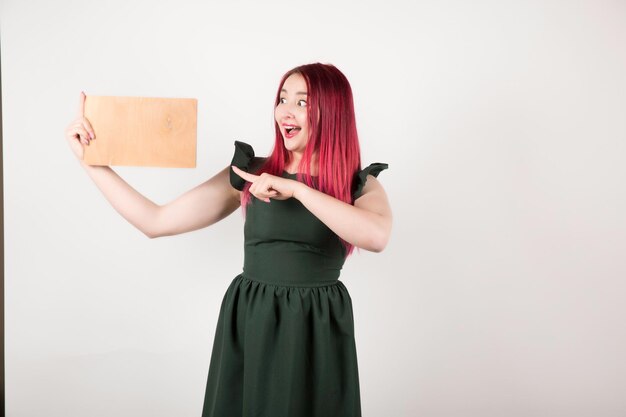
(243, 174)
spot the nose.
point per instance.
(285, 111)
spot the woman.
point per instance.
(284, 343)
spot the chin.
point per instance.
(292, 147)
(289, 143)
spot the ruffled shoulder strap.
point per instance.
(361, 177)
(245, 160)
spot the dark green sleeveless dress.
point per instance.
(284, 344)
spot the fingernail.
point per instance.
(91, 134)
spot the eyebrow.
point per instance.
(299, 92)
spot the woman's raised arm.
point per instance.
(199, 207)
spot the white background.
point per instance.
(501, 290)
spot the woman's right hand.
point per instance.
(79, 132)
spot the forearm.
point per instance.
(132, 205)
(362, 228)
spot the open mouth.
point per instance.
(291, 131)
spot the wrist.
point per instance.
(83, 163)
(299, 191)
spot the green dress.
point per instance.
(284, 344)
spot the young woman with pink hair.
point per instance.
(284, 343)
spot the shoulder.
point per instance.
(372, 185)
(368, 192)
(365, 179)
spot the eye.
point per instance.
(302, 101)
(280, 101)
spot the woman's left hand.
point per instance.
(266, 186)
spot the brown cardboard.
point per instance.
(142, 131)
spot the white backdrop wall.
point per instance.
(501, 290)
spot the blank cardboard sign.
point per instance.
(142, 131)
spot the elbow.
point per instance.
(150, 229)
(381, 238)
(152, 233)
(378, 249)
(379, 246)
(377, 242)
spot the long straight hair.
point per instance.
(332, 135)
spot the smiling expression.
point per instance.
(291, 113)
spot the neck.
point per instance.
(296, 158)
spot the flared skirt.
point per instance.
(283, 351)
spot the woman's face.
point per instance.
(291, 113)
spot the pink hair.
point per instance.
(334, 137)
